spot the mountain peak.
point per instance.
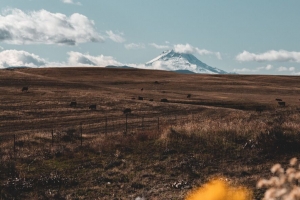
(171, 60)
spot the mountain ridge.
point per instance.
(171, 60)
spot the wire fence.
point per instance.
(126, 124)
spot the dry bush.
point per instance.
(70, 135)
(281, 136)
(284, 185)
(271, 133)
(145, 135)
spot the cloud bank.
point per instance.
(257, 69)
(71, 2)
(115, 37)
(280, 56)
(284, 69)
(79, 59)
(159, 46)
(14, 58)
(135, 46)
(44, 27)
(187, 48)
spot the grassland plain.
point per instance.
(169, 148)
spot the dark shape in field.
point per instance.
(281, 103)
(164, 100)
(127, 111)
(137, 185)
(150, 99)
(140, 98)
(142, 89)
(188, 96)
(73, 104)
(169, 152)
(92, 107)
(156, 82)
(25, 89)
(113, 164)
(278, 99)
(133, 98)
(259, 109)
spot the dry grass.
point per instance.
(216, 132)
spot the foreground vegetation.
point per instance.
(164, 164)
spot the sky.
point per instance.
(245, 37)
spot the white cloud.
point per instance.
(296, 73)
(135, 46)
(291, 69)
(206, 52)
(79, 59)
(181, 48)
(44, 27)
(71, 2)
(187, 48)
(266, 68)
(14, 58)
(159, 46)
(115, 37)
(281, 55)
(242, 70)
(284, 69)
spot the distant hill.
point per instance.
(184, 72)
(124, 66)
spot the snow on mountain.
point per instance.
(173, 61)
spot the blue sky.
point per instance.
(247, 37)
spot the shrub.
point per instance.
(284, 185)
(70, 135)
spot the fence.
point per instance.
(129, 123)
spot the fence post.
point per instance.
(113, 123)
(126, 124)
(52, 136)
(105, 125)
(14, 143)
(81, 133)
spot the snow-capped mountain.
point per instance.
(173, 61)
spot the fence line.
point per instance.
(105, 125)
(47, 123)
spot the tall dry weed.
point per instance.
(284, 185)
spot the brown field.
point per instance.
(182, 140)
